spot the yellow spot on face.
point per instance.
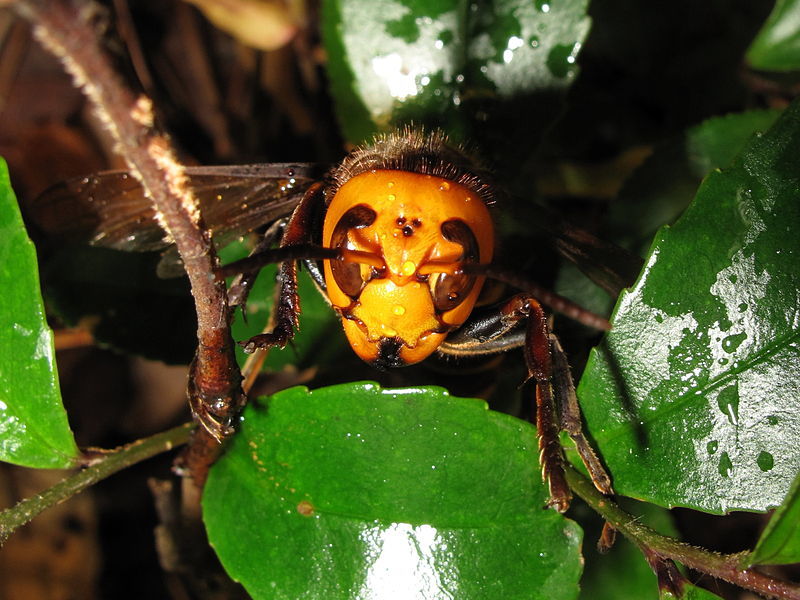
(390, 184)
(399, 310)
(388, 331)
(392, 197)
(444, 186)
(408, 268)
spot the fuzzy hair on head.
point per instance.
(417, 151)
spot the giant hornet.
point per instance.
(399, 237)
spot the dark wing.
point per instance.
(611, 267)
(110, 208)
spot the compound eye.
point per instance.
(450, 290)
(347, 275)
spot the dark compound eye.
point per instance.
(450, 290)
(347, 275)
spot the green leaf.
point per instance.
(692, 398)
(780, 542)
(716, 142)
(661, 189)
(777, 45)
(474, 69)
(34, 431)
(356, 491)
(391, 56)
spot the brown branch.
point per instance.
(721, 566)
(69, 29)
(96, 470)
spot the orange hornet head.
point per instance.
(404, 236)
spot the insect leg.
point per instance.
(243, 283)
(540, 368)
(287, 308)
(570, 417)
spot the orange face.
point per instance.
(404, 237)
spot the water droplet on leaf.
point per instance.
(765, 461)
(728, 402)
(731, 343)
(725, 465)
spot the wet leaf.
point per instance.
(777, 45)
(474, 69)
(780, 542)
(34, 431)
(355, 491)
(692, 397)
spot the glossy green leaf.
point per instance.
(391, 56)
(471, 68)
(354, 491)
(777, 45)
(780, 542)
(34, 431)
(692, 398)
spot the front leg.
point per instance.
(570, 417)
(539, 364)
(287, 307)
(556, 403)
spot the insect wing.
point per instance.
(609, 266)
(110, 209)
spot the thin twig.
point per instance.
(27, 509)
(721, 566)
(69, 29)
